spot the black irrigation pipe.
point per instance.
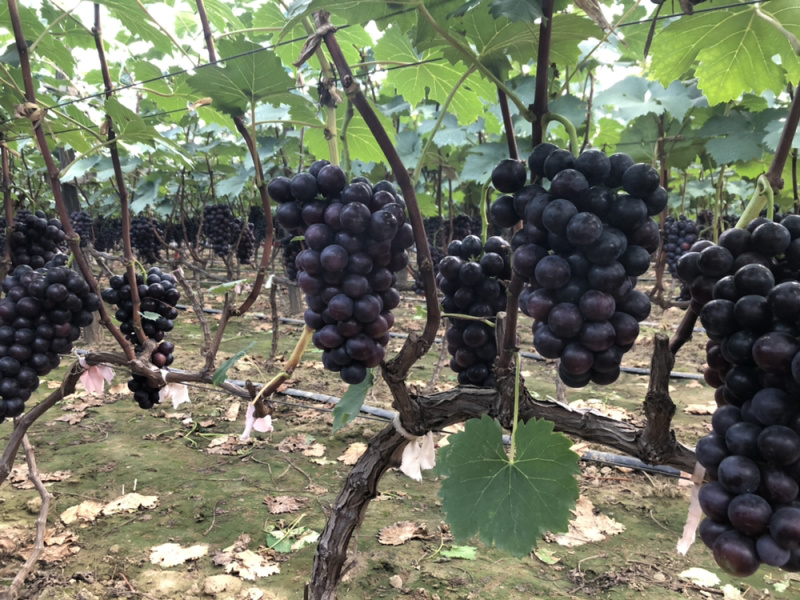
(438, 340)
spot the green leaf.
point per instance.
(226, 287)
(243, 80)
(517, 10)
(350, 404)
(150, 315)
(135, 20)
(629, 98)
(464, 552)
(431, 81)
(222, 371)
(221, 16)
(49, 46)
(427, 205)
(481, 160)
(147, 194)
(509, 503)
(731, 51)
(737, 136)
(361, 143)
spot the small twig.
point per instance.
(213, 518)
(652, 516)
(130, 585)
(299, 470)
(41, 522)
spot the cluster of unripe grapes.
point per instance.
(472, 278)
(36, 239)
(746, 292)
(158, 295)
(582, 246)
(41, 315)
(146, 236)
(356, 238)
(82, 224)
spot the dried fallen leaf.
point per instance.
(295, 443)
(600, 407)
(19, 477)
(400, 533)
(57, 547)
(233, 412)
(317, 490)
(694, 385)
(315, 450)
(120, 388)
(219, 441)
(72, 418)
(249, 565)
(85, 511)
(207, 423)
(701, 409)
(284, 504)
(322, 461)
(171, 555)
(588, 526)
(353, 453)
(129, 503)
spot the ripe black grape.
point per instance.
(145, 234)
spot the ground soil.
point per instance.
(214, 498)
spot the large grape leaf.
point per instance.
(737, 136)
(482, 159)
(361, 143)
(47, 46)
(221, 16)
(509, 502)
(244, 80)
(431, 80)
(349, 406)
(731, 51)
(136, 21)
(517, 10)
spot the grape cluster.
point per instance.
(218, 227)
(746, 292)
(41, 315)
(158, 295)
(36, 239)
(356, 239)
(581, 248)
(471, 277)
(679, 235)
(290, 250)
(145, 234)
(183, 232)
(439, 234)
(259, 221)
(436, 256)
(82, 224)
(107, 233)
(245, 241)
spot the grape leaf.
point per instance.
(463, 552)
(517, 10)
(224, 288)
(361, 143)
(136, 21)
(737, 136)
(350, 403)
(509, 503)
(433, 80)
(629, 98)
(221, 16)
(250, 77)
(222, 371)
(152, 316)
(732, 50)
(48, 46)
(774, 130)
(482, 159)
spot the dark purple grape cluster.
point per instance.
(107, 234)
(146, 236)
(583, 243)
(3, 227)
(748, 298)
(259, 221)
(436, 256)
(218, 227)
(439, 234)
(183, 232)
(158, 295)
(41, 315)
(289, 251)
(83, 226)
(356, 238)
(36, 239)
(472, 278)
(679, 235)
(245, 241)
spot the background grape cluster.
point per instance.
(472, 278)
(158, 295)
(83, 226)
(582, 245)
(41, 315)
(145, 234)
(218, 227)
(746, 292)
(356, 238)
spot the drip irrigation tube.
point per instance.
(438, 340)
